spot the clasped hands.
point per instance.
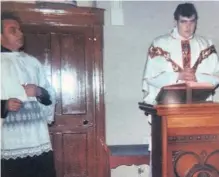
(14, 104)
(187, 75)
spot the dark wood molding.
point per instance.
(180, 110)
(193, 138)
(50, 16)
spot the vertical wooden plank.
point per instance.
(73, 74)
(164, 148)
(99, 99)
(56, 69)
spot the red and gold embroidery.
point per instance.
(204, 54)
(186, 54)
(157, 51)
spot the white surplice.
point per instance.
(25, 133)
(159, 72)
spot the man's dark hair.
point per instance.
(8, 16)
(185, 10)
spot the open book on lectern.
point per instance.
(187, 92)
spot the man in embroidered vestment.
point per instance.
(179, 56)
(27, 106)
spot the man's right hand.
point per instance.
(13, 104)
(187, 74)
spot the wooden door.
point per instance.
(67, 55)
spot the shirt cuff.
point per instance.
(4, 110)
(44, 97)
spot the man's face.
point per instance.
(12, 36)
(186, 26)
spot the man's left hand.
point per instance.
(187, 74)
(32, 90)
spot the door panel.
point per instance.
(73, 74)
(71, 153)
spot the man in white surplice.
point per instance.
(27, 106)
(179, 56)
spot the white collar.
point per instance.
(175, 34)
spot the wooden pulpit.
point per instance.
(190, 139)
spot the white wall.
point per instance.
(125, 49)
